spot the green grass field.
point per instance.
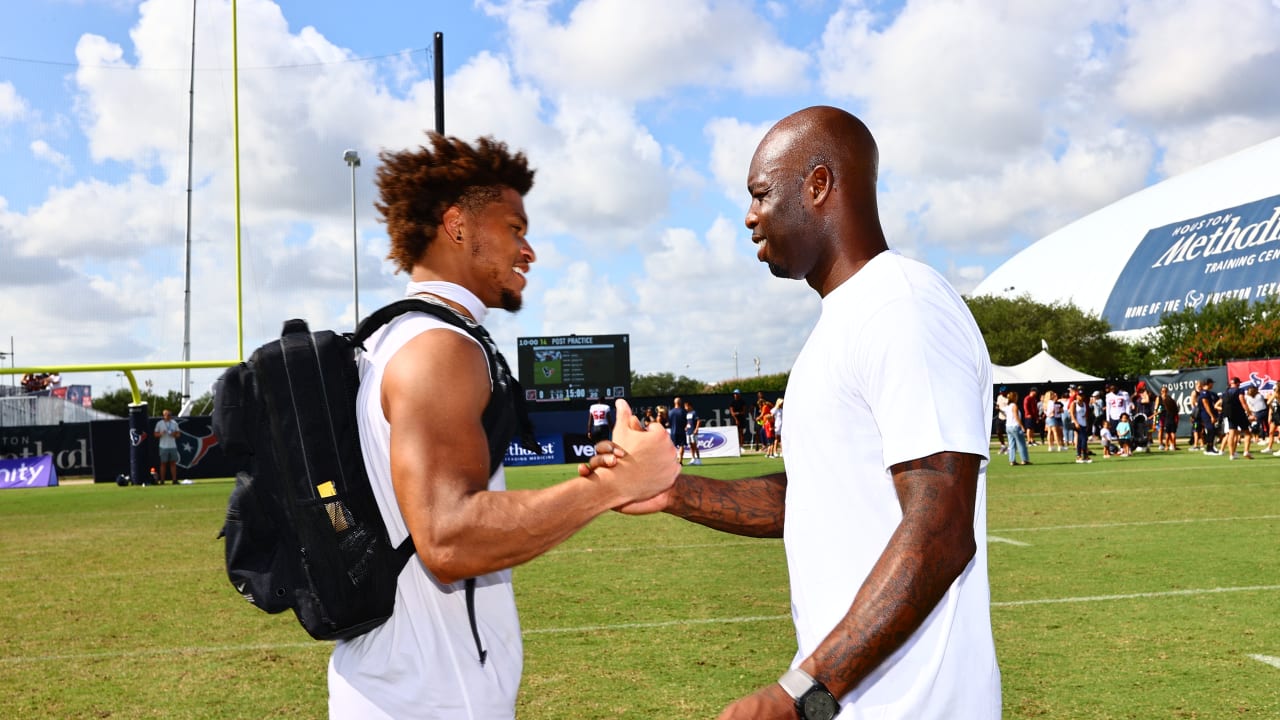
(1144, 587)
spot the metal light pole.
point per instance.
(352, 158)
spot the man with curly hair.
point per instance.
(455, 215)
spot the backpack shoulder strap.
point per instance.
(387, 313)
(499, 370)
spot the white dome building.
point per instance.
(1208, 234)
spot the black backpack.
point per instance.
(303, 528)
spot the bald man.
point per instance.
(882, 504)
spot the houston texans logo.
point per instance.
(136, 437)
(547, 372)
(1264, 383)
(1194, 299)
(193, 448)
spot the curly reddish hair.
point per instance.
(418, 186)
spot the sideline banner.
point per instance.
(68, 443)
(553, 452)
(718, 442)
(1231, 253)
(1182, 386)
(577, 448)
(28, 472)
(199, 454)
(1263, 373)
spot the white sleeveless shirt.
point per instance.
(423, 662)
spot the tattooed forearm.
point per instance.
(751, 507)
(928, 551)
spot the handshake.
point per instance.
(640, 465)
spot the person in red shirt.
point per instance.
(1032, 416)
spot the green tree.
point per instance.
(775, 383)
(665, 383)
(1134, 358)
(117, 402)
(1014, 327)
(1215, 333)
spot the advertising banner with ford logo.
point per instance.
(1231, 253)
(577, 448)
(718, 442)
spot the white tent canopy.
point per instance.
(1042, 368)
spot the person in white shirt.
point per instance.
(1118, 404)
(451, 649)
(1257, 417)
(598, 420)
(882, 503)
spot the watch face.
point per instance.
(819, 705)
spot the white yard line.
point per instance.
(195, 650)
(1181, 521)
(1132, 490)
(1268, 659)
(1006, 541)
(1135, 596)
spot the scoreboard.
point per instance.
(564, 368)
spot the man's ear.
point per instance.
(452, 223)
(818, 185)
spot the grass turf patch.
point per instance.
(1138, 588)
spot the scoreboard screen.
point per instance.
(574, 367)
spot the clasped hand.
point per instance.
(646, 468)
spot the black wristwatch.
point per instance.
(813, 700)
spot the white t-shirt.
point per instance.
(1118, 404)
(423, 662)
(896, 369)
(1257, 403)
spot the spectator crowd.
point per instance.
(1243, 417)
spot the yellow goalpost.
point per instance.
(128, 368)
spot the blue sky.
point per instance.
(999, 122)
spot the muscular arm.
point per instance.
(434, 391)
(931, 547)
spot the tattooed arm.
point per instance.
(928, 551)
(752, 507)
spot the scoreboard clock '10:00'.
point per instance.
(564, 368)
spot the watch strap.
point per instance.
(796, 682)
